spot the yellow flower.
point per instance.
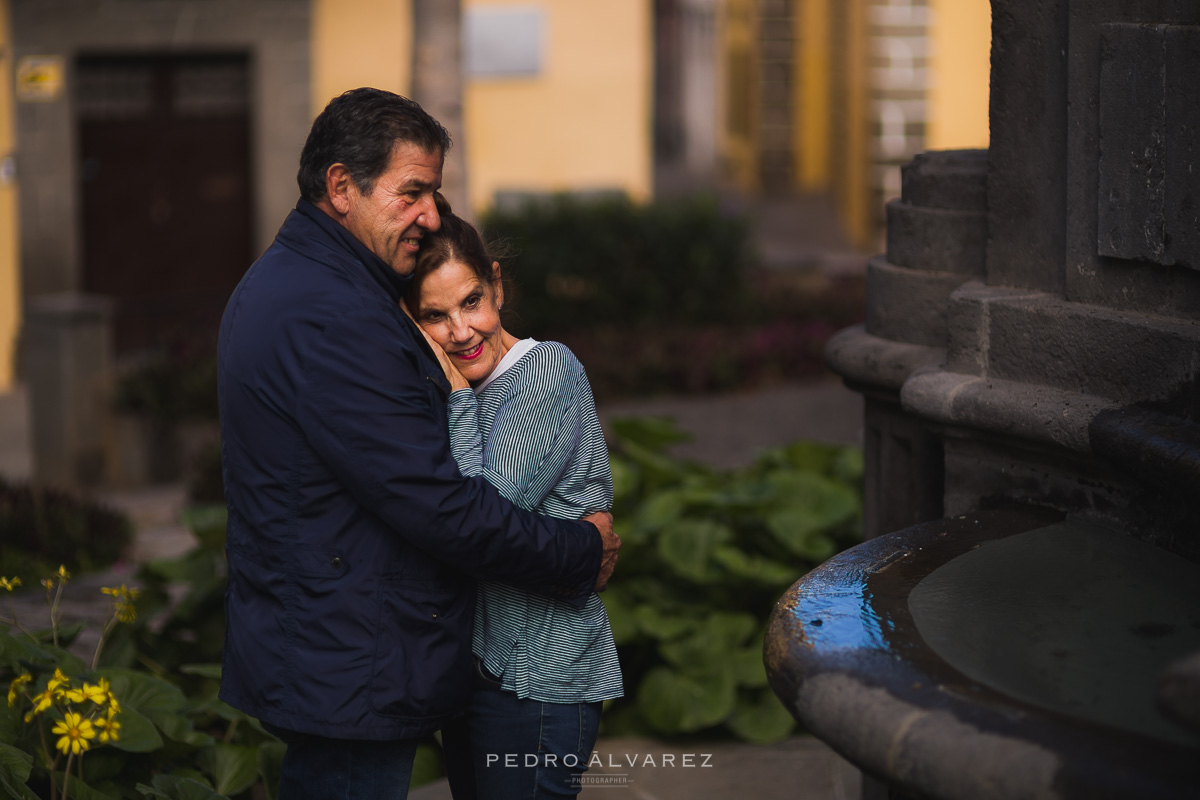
(121, 591)
(10, 584)
(123, 598)
(114, 707)
(59, 679)
(109, 729)
(97, 694)
(16, 684)
(40, 703)
(75, 732)
(62, 574)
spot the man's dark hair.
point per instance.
(359, 128)
(456, 240)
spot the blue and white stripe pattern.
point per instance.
(533, 433)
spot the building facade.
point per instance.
(137, 128)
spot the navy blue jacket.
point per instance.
(353, 538)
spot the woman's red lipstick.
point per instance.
(470, 355)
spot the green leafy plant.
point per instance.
(705, 556)
(158, 741)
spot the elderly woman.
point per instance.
(522, 415)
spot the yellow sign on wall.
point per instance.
(39, 78)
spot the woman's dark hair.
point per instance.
(359, 128)
(456, 240)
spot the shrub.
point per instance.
(41, 528)
(584, 263)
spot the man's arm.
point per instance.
(534, 436)
(366, 408)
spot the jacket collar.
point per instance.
(391, 282)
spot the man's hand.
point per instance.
(612, 545)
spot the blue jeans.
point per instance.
(507, 748)
(341, 769)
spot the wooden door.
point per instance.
(166, 190)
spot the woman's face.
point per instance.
(462, 314)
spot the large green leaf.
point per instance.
(762, 720)
(848, 466)
(12, 723)
(233, 768)
(69, 632)
(15, 766)
(174, 787)
(21, 654)
(621, 619)
(656, 623)
(810, 506)
(655, 468)
(710, 648)
(625, 477)
(152, 696)
(675, 703)
(799, 530)
(137, 734)
(756, 568)
(78, 790)
(748, 668)
(687, 546)
(270, 766)
(658, 511)
(159, 701)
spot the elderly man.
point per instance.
(353, 539)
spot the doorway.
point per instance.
(165, 165)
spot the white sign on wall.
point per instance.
(503, 41)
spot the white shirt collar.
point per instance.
(511, 357)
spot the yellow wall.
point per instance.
(855, 198)
(360, 43)
(10, 285)
(811, 79)
(960, 42)
(584, 122)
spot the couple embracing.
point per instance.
(417, 499)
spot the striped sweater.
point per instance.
(533, 433)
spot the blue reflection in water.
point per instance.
(835, 611)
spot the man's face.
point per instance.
(391, 220)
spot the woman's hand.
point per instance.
(457, 381)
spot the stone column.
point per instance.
(937, 237)
(67, 367)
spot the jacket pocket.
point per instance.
(422, 665)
